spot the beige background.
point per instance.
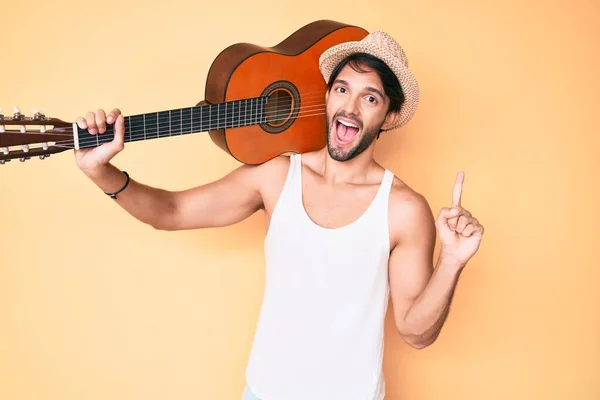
(95, 305)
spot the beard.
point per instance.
(368, 135)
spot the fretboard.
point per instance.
(183, 121)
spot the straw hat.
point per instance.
(383, 46)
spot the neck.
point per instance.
(355, 170)
(182, 121)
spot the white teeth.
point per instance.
(347, 124)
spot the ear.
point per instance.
(389, 120)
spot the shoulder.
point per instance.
(274, 170)
(259, 179)
(266, 173)
(409, 214)
(406, 201)
(269, 178)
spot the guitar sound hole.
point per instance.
(279, 107)
(282, 106)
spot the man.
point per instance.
(343, 234)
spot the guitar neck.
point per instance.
(181, 121)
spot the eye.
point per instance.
(340, 89)
(372, 99)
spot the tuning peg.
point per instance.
(19, 116)
(37, 114)
(17, 113)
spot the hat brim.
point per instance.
(410, 88)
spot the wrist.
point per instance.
(110, 179)
(450, 263)
(96, 171)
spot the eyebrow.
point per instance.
(368, 88)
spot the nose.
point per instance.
(350, 106)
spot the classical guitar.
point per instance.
(260, 102)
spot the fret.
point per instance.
(137, 128)
(162, 123)
(257, 113)
(231, 120)
(175, 123)
(186, 117)
(228, 117)
(128, 127)
(261, 114)
(213, 122)
(151, 127)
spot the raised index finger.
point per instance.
(457, 191)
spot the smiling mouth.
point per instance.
(345, 131)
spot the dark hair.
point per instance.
(391, 85)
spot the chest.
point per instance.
(334, 206)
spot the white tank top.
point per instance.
(320, 331)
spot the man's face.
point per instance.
(356, 110)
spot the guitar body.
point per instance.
(260, 102)
(289, 74)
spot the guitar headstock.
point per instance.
(25, 137)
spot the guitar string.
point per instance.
(107, 138)
(69, 144)
(307, 106)
(135, 134)
(222, 116)
(220, 123)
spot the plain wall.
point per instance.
(95, 305)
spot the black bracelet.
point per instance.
(114, 195)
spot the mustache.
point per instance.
(350, 117)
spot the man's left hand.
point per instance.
(460, 233)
